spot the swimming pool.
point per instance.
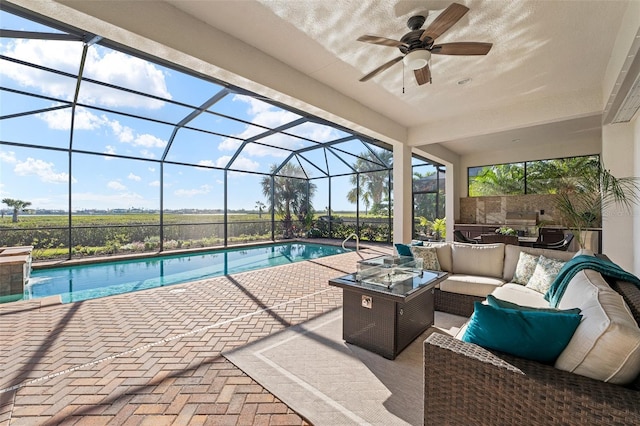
(83, 282)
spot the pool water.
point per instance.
(83, 282)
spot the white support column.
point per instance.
(618, 225)
(402, 194)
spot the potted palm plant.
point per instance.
(581, 199)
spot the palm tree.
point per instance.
(366, 201)
(429, 197)
(553, 176)
(582, 198)
(374, 183)
(291, 196)
(260, 205)
(502, 179)
(17, 205)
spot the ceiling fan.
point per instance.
(418, 44)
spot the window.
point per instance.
(531, 177)
(428, 196)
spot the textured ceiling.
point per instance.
(549, 55)
(547, 65)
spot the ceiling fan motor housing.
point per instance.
(416, 22)
(411, 39)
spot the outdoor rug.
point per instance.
(329, 382)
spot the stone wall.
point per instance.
(15, 268)
(493, 210)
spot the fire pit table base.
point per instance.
(382, 325)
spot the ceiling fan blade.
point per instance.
(462, 48)
(381, 40)
(423, 75)
(381, 68)
(444, 21)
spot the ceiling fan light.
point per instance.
(416, 59)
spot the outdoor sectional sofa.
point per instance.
(595, 380)
(475, 270)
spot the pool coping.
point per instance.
(134, 256)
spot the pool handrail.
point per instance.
(357, 241)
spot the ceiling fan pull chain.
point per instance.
(403, 77)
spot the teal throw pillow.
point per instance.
(539, 336)
(403, 250)
(499, 303)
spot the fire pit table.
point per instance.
(387, 303)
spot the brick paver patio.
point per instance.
(154, 357)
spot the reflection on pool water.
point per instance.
(82, 282)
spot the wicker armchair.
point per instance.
(468, 385)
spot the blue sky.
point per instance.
(41, 176)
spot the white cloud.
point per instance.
(116, 186)
(222, 161)
(86, 120)
(148, 141)
(147, 154)
(230, 144)
(134, 177)
(127, 71)
(317, 132)
(8, 157)
(256, 106)
(152, 169)
(240, 163)
(243, 163)
(123, 133)
(101, 64)
(206, 164)
(155, 183)
(203, 189)
(61, 119)
(43, 170)
(264, 115)
(64, 56)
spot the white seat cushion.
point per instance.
(473, 285)
(521, 295)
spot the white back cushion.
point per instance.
(478, 259)
(443, 250)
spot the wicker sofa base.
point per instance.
(465, 384)
(455, 303)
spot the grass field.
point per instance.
(54, 221)
(97, 235)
